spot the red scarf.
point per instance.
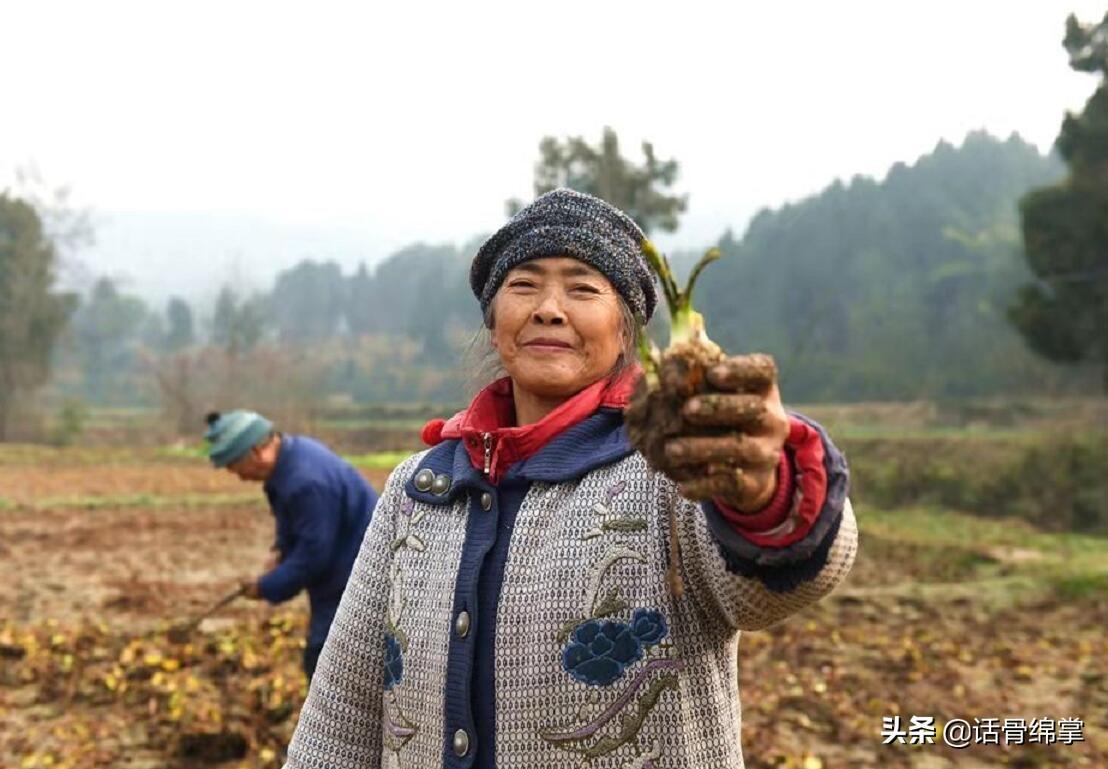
(493, 441)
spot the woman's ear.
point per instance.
(490, 321)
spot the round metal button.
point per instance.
(461, 742)
(486, 501)
(441, 484)
(423, 480)
(461, 624)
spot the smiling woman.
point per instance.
(557, 326)
(509, 606)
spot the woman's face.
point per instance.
(557, 326)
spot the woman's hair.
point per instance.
(482, 361)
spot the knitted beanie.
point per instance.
(233, 434)
(568, 223)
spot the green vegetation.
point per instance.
(374, 460)
(886, 289)
(147, 501)
(32, 314)
(184, 450)
(1063, 312)
(602, 170)
(939, 556)
(69, 423)
(378, 460)
(892, 289)
(1058, 482)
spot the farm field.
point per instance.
(104, 550)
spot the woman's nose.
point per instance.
(549, 312)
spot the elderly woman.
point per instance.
(509, 606)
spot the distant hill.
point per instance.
(191, 254)
(889, 289)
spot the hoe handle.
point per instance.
(238, 592)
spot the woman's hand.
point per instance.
(733, 450)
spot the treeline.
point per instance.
(388, 334)
(895, 289)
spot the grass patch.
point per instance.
(153, 501)
(983, 433)
(936, 526)
(414, 425)
(183, 451)
(374, 460)
(1057, 481)
(934, 545)
(1081, 586)
(378, 460)
(908, 560)
(22, 454)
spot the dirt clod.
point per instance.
(655, 416)
(213, 746)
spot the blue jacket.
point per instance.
(322, 506)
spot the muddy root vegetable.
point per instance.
(670, 378)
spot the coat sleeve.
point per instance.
(749, 585)
(315, 519)
(340, 723)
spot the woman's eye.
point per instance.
(521, 284)
(585, 288)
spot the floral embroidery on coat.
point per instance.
(610, 522)
(599, 650)
(394, 662)
(398, 729)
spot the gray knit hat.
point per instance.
(568, 223)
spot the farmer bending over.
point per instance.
(321, 504)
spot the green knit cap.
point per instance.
(233, 434)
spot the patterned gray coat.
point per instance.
(596, 665)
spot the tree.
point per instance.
(1063, 313)
(32, 314)
(107, 328)
(309, 299)
(237, 327)
(362, 315)
(421, 292)
(180, 332)
(223, 321)
(642, 191)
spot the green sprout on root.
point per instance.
(686, 324)
(670, 377)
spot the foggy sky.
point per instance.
(218, 141)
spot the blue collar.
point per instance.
(596, 441)
(281, 466)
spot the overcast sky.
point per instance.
(233, 138)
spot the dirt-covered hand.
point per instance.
(735, 435)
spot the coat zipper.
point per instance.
(488, 452)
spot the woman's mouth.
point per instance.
(548, 345)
